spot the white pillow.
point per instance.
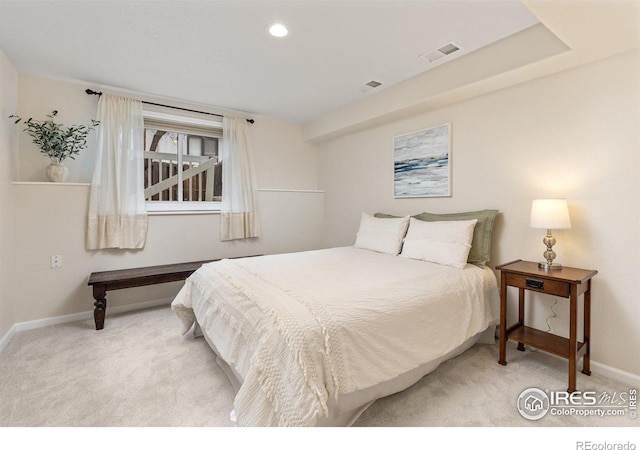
(443, 242)
(381, 235)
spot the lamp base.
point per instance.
(547, 266)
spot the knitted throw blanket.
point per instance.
(296, 358)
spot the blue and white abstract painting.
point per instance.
(422, 163)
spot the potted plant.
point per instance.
(57, 142)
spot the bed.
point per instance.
(313, 338)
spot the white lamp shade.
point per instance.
(550, 213)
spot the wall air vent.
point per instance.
(370, 85)
(445, 50)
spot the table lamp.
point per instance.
(550, 213)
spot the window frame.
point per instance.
(182, 124)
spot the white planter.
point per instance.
(57, 172)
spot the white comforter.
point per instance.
(301, 327)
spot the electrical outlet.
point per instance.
(56, 261)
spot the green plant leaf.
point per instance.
(56, 141)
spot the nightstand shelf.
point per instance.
(568, 282)
(544, 341)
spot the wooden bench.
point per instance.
(127, 278)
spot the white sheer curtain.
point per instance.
(117, 214)
(239, 217)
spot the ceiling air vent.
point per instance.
(445, 50)
(370, 85)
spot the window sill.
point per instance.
(182, 213)
(174, 208)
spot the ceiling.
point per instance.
(218, 52)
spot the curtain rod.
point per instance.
(91, 92)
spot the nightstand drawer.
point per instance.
(538, 284)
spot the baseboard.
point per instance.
(627, 378)
(49, 321)
(7, 337)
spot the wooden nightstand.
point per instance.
(567, 282)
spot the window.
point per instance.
(182, 170)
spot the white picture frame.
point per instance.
(422, 163)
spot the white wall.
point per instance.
(575, 134)
(50, 218)
(8, 141)
(282, 159)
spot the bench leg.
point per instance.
(99, 294)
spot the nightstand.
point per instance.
(567, 282)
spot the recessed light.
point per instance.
(277, 30)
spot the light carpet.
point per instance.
(140, 372)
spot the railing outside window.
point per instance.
(181, 166)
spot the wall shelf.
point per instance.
(47, 183)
